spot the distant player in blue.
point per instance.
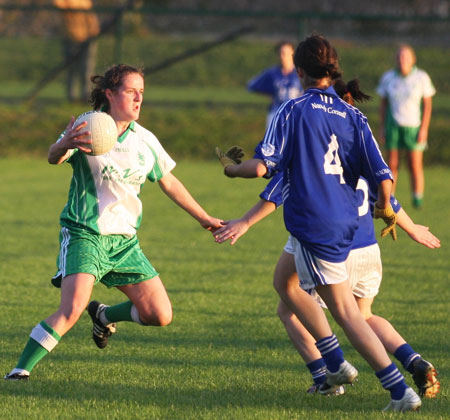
(280, 82)
(323, 146)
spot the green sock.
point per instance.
(43, 339)
(120, 312)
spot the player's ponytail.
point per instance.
(350, 92)
(112, 79)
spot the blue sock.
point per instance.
(392, 380)
(318, 371)
(331, 352)
(406, 355)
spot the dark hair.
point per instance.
(112, 79)
(317, 58)
(350, 92)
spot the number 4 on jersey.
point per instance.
(332, 163)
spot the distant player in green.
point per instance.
(405, 112)
(98, 240)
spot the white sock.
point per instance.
(105, 321)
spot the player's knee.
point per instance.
(283, 313)
(367, 314)
(164, 318)
(159, 317)
(346, 315)
(393, 164)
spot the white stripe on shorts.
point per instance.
(63, 251)
(314, 271)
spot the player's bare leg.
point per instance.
(76, 290)
(304, 306)
(342, 305)
(424, 373)
(311, 315)
(303, 341)
(151, 301)
(384, 330)
(305, 344)
(148, 304)
(415, 163)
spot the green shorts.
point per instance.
(114, 260)
(398, 137)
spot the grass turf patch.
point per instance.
(226, 355)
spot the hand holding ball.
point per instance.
(103, 131)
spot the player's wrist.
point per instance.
(229, 171)
(382, 205)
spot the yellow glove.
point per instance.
(233, 156)
(390, 218)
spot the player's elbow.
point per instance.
(260, 170)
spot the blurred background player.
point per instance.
(405, 112)
(79, 29)
(279, 82)
(98, 241)
(323, 146)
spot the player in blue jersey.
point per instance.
(280, 82)
(98, 241)
(364, 266)
(323, 146)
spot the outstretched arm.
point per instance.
(418, 233)
(177, 192)
(234, 229)
(252, 168)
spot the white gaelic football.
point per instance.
(103, 131)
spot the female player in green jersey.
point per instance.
(98, 240)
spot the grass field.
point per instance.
(226, 355)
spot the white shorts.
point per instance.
(365, 271)
(363, 267)
(313, 271)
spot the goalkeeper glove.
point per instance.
(390, 218)
(233, 156)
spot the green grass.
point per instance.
(226, 355)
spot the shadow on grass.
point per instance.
(170, 397)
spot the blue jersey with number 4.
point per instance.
(323, 146)
(366, 197)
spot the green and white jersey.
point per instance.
(104, 191)
(405, 93)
